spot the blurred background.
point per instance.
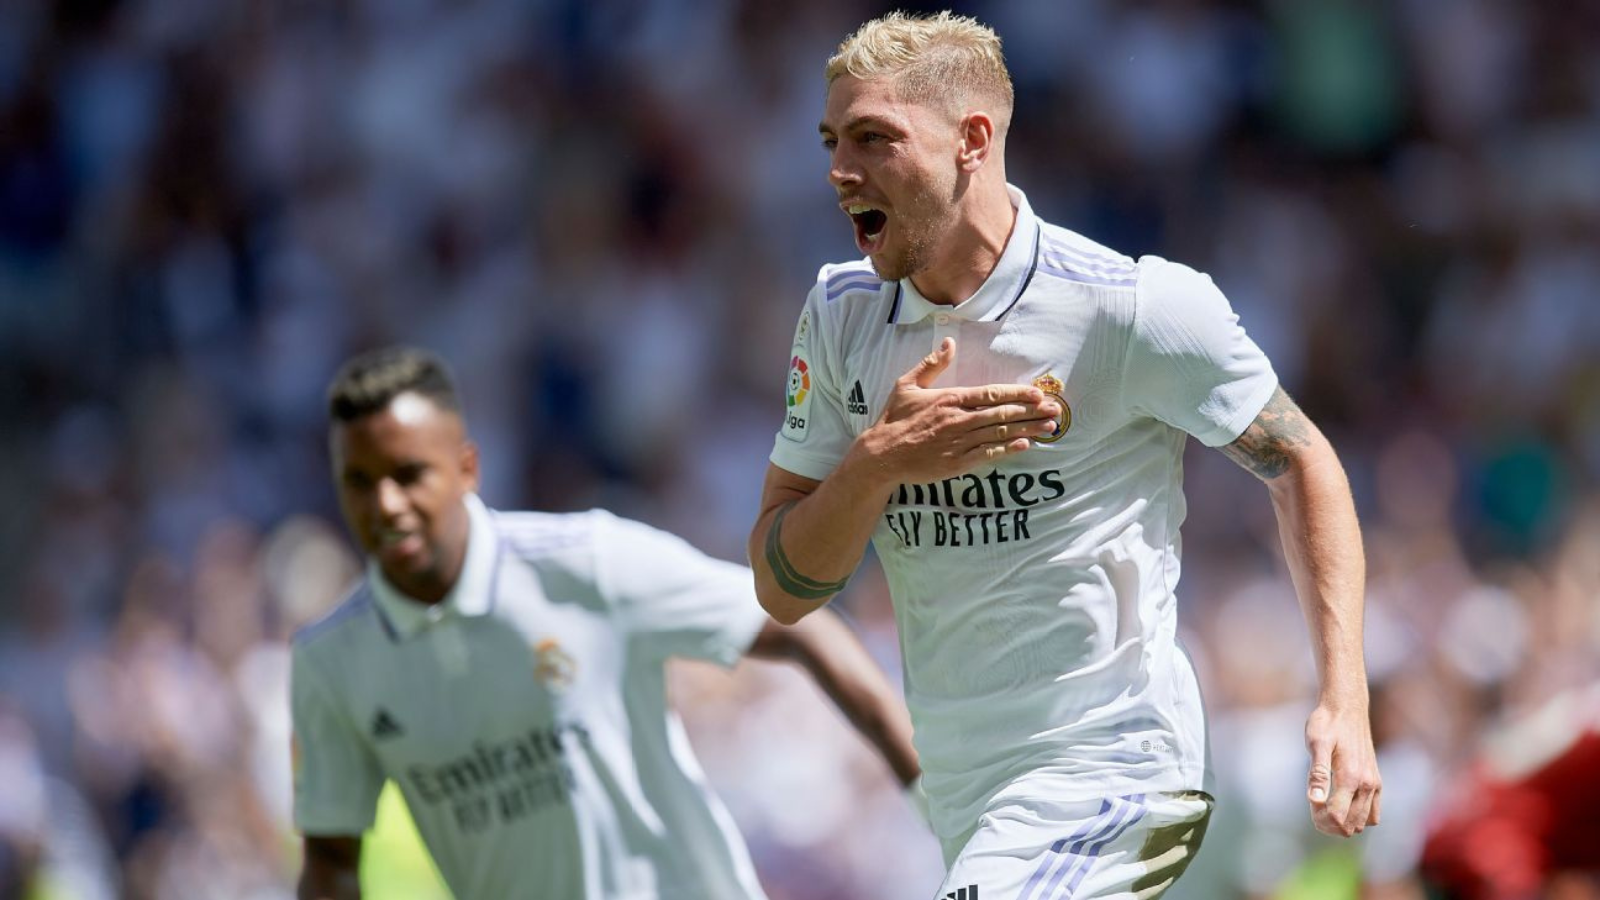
(607, 214)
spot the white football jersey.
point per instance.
(525, 717)
(1035, 597)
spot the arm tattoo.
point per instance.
(784, 572)
(1268, 446)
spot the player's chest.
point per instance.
(1072, 358)
(499, 679)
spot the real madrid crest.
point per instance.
(1052, 387)
(552, 667)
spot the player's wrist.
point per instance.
(866, 467)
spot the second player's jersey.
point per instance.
(1034, 597)
(525, 717)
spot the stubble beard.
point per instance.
(932, 213)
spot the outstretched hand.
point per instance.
(929, 434)
(1344, 789)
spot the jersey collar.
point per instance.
(999, 292)
(471, 595)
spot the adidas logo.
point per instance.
(384, 725)
(856, 403)
(970, 892)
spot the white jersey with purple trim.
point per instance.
(525, 717)
(1035, 598)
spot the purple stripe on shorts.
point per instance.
(1074, 857)
(1093, 825)
(1094, 852)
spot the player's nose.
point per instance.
(391, 499)
(842, 173)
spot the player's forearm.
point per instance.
(332, 870)
(804, 548)
(1322, 544)
(342, 888)
(836, 660)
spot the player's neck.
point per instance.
(427, 589)
(433, 586)
(972, 250)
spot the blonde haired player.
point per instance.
(1000, 405)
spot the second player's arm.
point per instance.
(829, 651)
(1322, 544)
(332, 869)
(811, 534)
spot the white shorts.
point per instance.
(1031, 849)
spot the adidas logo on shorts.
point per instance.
(970, 892)
(856, 403)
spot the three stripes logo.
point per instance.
(970, 892)
(856, 403)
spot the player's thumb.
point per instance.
(931, 366)
(1319, 783)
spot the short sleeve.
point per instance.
(673, 599)
(336, 778)
(1190, 363)
(814, 434)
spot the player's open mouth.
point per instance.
(870, 224)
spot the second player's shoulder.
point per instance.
(352, 634)
(347, 622)
(589, 545)
(537, 536)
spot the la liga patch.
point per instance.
(797, 397)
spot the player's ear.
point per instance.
(469, 464)
(977, 140)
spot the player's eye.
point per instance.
(829, 143)
(409, 474)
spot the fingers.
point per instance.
(1344, 798)
(999, 395)
(1016, 413)
(992, 452)
(1006, 431)
(927, 369)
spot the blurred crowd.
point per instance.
(607, 213)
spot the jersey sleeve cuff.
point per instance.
(1244, 414)
(803, 464)
(740, 637)
(332, 824)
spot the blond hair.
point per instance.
(939, 57)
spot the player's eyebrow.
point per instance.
(858, 123)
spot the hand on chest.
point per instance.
(986, 353)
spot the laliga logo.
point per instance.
(799, 387)
(799, 381)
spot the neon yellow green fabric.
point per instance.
(394, 863)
